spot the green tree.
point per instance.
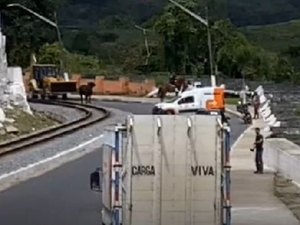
(74, 63)
(184, 45)
(26, 34)
(236, 57)
(50, 54)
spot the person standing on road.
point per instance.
(256, 105)
(161, 94)
(243, 97)
(259, 141)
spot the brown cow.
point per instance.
(87, 91)
(174, 85)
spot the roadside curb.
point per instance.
(120, 99)
(127, 101)
(151, 100)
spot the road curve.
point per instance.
(62, 196)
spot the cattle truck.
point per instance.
(165, 170)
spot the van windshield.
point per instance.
(172, 99)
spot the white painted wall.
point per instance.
(17, 90)
(280, 154)
(12, 89)
(283, 156)
(3, 73)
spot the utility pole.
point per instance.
(0, 22)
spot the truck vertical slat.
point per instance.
(227, 168)
(127, 212)
(117, 179)
(188, 180)
(223, 178)
(157, 189)
(107, 152)
(218, 175)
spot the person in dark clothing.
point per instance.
(161, 94)
(172, 79)
(259, 141)
(224, 118)
(256, 105)
(95, 180)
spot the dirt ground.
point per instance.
(288, 193)
(25, 123)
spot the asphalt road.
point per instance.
(62, 196)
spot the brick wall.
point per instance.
(123, 86)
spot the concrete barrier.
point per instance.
(280, 154)
(283, 156)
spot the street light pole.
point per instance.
(146, 43)
(53, 24)
(58, 32)
(204, 22)
(212, 75)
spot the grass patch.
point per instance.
(288, 193)
(298, 111)
(25, 123)
(231, 101)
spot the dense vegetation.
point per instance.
(241, 12)
(261, 12)
(283, 38)
(100, 38)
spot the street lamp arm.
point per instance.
(53, 24)
(138, 27)
(197, 17)
(33, 13)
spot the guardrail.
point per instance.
(283, 156)
(280, 154)
(265, 110)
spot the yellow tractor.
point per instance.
(46, 80)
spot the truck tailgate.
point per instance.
(175, 171)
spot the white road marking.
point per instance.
(50, 159)
(240, 137)
(256, 209)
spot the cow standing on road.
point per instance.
(87, 91)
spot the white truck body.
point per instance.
(164, 170)
(188, 101)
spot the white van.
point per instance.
(205, 98)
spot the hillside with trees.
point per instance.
(241, 12)
(282, 38)
(100, 38)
